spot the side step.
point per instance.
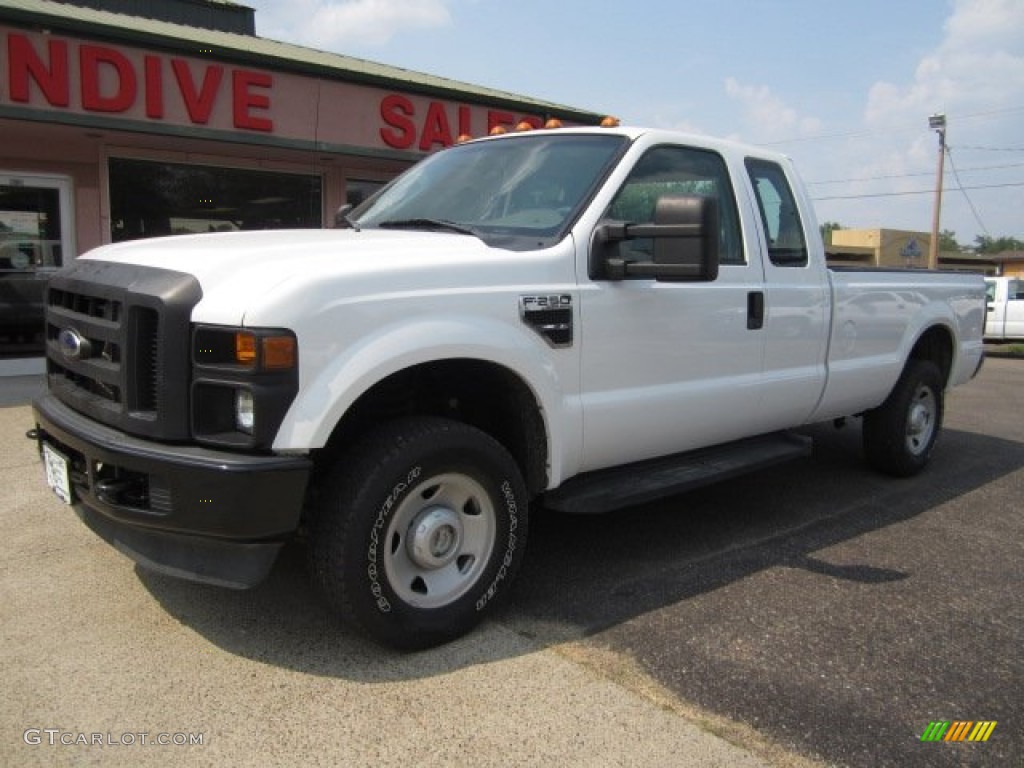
(606, 490)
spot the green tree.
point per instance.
(986, 244)
(827, 229)
(947, 241)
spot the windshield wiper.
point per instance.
(430, 224)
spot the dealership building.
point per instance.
(122, 119)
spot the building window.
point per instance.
(150, 199)
(358, 190)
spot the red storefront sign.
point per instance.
(110, 82)
(48, 72)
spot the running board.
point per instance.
(626, 486)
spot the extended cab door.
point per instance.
(669, 366)
(797, 296)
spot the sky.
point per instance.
(845, 89)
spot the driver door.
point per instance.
(671, 366)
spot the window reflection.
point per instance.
(149, 199)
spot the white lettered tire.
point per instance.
(899, 435)
(419, 530)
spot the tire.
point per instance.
(418, 533)
(899, 435)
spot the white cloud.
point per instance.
(336, 25)
(975, 75)
(767, 117)
(978, 66)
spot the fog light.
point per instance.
(245, 411)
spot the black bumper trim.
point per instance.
(209, 512)
(232, 564)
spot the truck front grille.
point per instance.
(96, 324)
(117, 345)
(147, 348)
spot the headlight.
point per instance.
(245, 411)
(261, 350)
(243, 382)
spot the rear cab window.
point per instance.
(783, 229)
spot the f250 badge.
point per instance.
(550, 316)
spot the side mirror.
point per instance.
(341, 219)
(685, 243)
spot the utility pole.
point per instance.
(937, 123)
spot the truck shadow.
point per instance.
(584, 574)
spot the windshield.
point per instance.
(520, 192)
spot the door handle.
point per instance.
(755, 310)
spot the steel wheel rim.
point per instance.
(440, 540)
(921, 420)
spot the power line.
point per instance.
(993, 149)
(970, 203)
(914, 192)
(990, 112)
(871, 132)
(920, 173)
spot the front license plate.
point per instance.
(57, 475)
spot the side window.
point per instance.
(779, 215)
(678, 171)
(1015, 290)
(990, 291)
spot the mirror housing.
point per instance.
(685, 236)
(341, 220)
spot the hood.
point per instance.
(243, 271)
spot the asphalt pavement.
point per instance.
(811, 614)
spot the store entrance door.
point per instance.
(35, 239)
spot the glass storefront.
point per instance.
(34, 232)
(358, 190)
(151, 199)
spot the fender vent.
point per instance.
(550, 316)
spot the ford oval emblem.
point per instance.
(73, 346)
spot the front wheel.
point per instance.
(899, 435)
(419, 531)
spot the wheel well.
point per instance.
(482, 394)
(935, 345)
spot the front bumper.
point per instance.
(196, 513)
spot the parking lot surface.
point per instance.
(810, 614)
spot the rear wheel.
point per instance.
(419, 531)
(899, 435)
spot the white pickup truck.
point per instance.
(578, 319)
(1005, 320)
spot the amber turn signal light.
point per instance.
(270, 353)
(278, 353)
(245, 348)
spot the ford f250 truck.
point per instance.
(576, 319)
